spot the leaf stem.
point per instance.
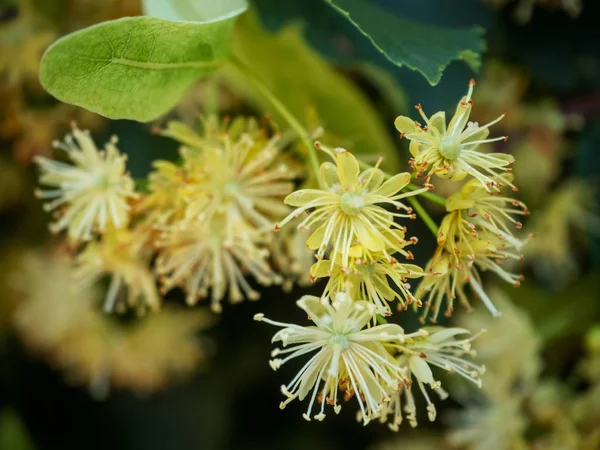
(423, 215)
(285, 113)
(428, 195)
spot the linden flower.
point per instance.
(450, 271)
(165, 203)
(346, 354)
(237, 172)
(368, 276)
(435, 346)
(122, 255)
(63, 325)
(93, 192)
(496, 426)
(505, 367)
(198, 258)
(490, 211)
(451, 151)
(570, 208)
(291, 258)
(346, 211)
(22, 43)
(427, 347)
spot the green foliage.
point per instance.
(425, 48)
(133, 68)
(310, 88)
(569, 312)
(13, 434)
(194, 10)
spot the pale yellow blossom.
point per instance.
(91, 194)
(343, 353)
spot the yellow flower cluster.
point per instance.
(93, 201)
(376, 365)
(349, 222)
(59, 320)
(452, 151)
(205, 223)
(477, 233)
(357, 241)
(215, 211)
(474, 236)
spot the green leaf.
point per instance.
(194, 10)
(568, 312)
(310, 89)
(426, 48)
(133, 68)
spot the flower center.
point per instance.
(230, 189)
(449, 148)
(102, 179)
(340, 340)
(351, 203)
(365, 270)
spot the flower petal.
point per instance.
(406, 125)
(420, 369)
(459, 201)
(372, 178)
(347, 169)
(393, 185)
(414, 148)
(460, 119)
(316, 238)
(446, 334)
(329, 177)
(368, 237)
(305, 196)
(320, 269)
(438, 121)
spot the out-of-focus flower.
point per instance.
(77, 14)
(507, 371)
(451, 151)
(368, 276)
(565, 421)
(291, 257)
(236, 171)
(570, 206)
(497, 426)
(22, 42)
(165, 203)
(201, 257)
(346, 355)
(93, 192)
(35, 129)
(346, 211)
(124, 256)
(62, 323)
